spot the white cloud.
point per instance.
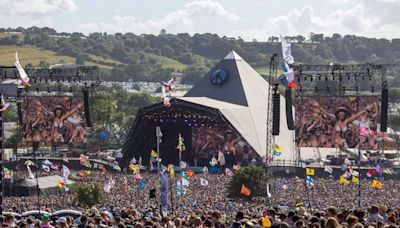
(184, 20)
(358, 19)
(32, 12)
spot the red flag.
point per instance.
(245, 191)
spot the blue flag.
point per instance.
(164, 193)
(142, 184)
(310, 180)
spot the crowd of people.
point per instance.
(54, 119)
(337, 122)
(292, 204)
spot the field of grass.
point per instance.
(265, 71)
(30, 54)
(168, 63)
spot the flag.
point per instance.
(137, 177)
(134, 168)
(245, 191)
(378, 169)
(377, 184)
(4, 107)
(236, 167)
(74, 176)
(65, 158)
(87, 172)
(228, 172)
(203, 182)
(22, 74)
(190, 173)
(221, 158)
(66, 173)
(310, 172)
(88, 164)
(370, 173)
(55, 166)
(125, 185)
(171, 170)
(83, 158)
(153, 154)
(310, 181)
(213, 161)
(60, 184)
(30, 174)
(116, 167)
(164, 192)
(46, 168)
(355, 179)
(103, 169)
(388, 171)
(344, 180)
(184, 175)
(182, 164)
(328, 169)
(355, 173)
(288, 59)
(284, 187)
(181, 144)
(109, 185)
(183, 182)
(347, 174)
(205, 170)
(95, 165)
(142, 184)
(277, 150)
(299, 204)
(181, 190)
(266, 222)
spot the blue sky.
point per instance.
(250, 19)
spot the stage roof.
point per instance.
(242, 99)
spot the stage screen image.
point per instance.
(53, 119)
(335, 122)
(207, 141)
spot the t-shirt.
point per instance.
(375, 218)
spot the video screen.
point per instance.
(207, 141)
(336, 122)
(54, 119)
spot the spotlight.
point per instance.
(356, 88)
(372, 89)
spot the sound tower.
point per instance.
(276, 112)
(384, 109)
(289, 109)
(87, 110)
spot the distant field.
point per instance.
(265, 71)
(169, 63)
(33, 55)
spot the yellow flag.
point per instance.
(87, 172)
(355, 179)
(344, 180)
(310, 172)
(377, 184)
(171, 171)
(266, 222)
(153, 153)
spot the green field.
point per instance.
(265, 71)
(168, 63)
(33, 55)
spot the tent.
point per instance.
(232, 93)
(47, 185)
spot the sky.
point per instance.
(249, 19)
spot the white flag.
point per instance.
(328, 169)
(221, 158)
(205, 170)
(203, 182)
(66, 174)
(183, 182)
(286, 51)
(31, 176)
(22, 74)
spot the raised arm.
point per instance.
(354, 117)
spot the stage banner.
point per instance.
(337, 122)
(49, 119)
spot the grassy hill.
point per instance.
(31, 54)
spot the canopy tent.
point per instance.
(47, 185)
(240, 98)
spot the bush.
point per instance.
(253, 177)
(89, 194)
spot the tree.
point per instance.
(80, 60)
(253, 177)
(163, 32)
(89, 194)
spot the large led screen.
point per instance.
(53, 119)
(336, 122)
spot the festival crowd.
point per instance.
(328, 203)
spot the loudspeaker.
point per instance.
(384, 109)
(87, 110)
(276, 112)
(289, 109)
